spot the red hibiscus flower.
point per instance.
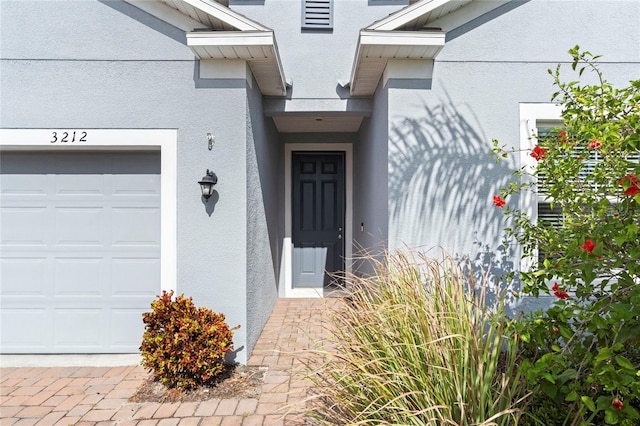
(538, 153)
(594, 144)
(499, 201)
(631, 185)
(562, 136)
(588, 246)
(617, 404)
(560, 294)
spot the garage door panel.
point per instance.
(23, 276)
(24, 226)
(135, 227)
(80, 226)
(134, 276)
(20, 185)
(80, 246)
(25, 329)
(128, 185)
(126, 327)
(79, 184)
(78, 328)
(79, 276)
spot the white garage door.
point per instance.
(79, 250)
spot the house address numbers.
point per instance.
(68, 136)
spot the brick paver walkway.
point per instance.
(87, 396)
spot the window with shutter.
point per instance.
(317, 14)
(539, 120)
(591, 157)
(552, 216)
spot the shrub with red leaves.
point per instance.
(184, 346)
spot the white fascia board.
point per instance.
(230, 38)
(278, 64)
(168, 14)
(406, 15)
(402, 38)
(227, 15)
(356, 65)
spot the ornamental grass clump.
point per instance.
(184, 346)
(417, 344)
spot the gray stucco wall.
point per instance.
(422, 171)
(82, 64)
(371, 183)
(486, 69)
(265, 222)
(315, 60)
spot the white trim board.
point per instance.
(286, 289)
(177, 13)
(407, 14)
(165, 140)
(223, 13)
(530, 115)
(415, 11)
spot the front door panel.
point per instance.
(317, 218)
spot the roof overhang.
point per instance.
(404, 34)
(376, 47)
(214, 15)
(214, 31)
(258, 48)
(417, 15)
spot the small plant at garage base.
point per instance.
(184, 346)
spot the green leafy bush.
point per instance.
(184, 346)
(582, 353)
(417, 344)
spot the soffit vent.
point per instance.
(317, 14)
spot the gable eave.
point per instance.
(214, 15)
(214, 31)
(404, 34)
(376, 47)
(417, 15)
(258, 48)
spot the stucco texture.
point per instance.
(127, 70)
(441, 174)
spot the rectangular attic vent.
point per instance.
(317, 14)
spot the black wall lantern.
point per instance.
(206, 184)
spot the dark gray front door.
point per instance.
(318, 202)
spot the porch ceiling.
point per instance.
(322, 122)
(307, 115)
